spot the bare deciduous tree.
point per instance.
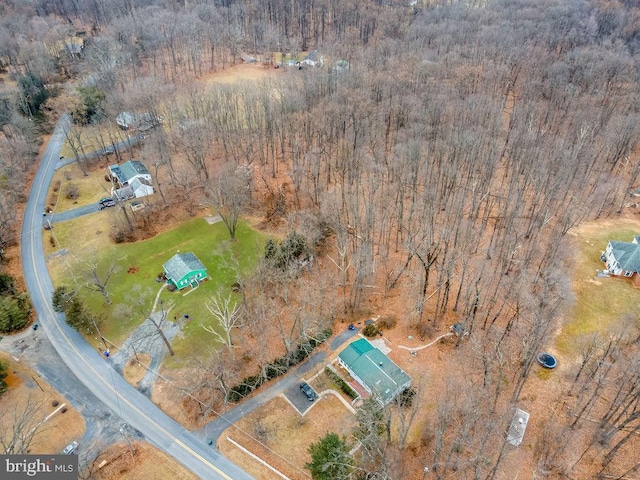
(226, 313)
(21, 424)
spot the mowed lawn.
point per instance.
(600, 303)
(133, 286)
(91, 188)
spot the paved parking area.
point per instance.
(298, 399)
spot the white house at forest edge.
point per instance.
(130, 180)
(623, 258)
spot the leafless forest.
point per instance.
(444, 166)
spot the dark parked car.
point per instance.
(106, 202)
(35, 326)
(308, 391)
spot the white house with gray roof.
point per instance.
(623, 258)
(131, 180)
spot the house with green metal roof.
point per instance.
(184, 269)
(372, 369)
(623, 258)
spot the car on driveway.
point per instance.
(308, 391)
(35, 326)
(106, 202)
(71, 448)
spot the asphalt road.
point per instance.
(87, 365)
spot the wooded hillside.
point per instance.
(447, 162)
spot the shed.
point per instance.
(140, 121)
(184, 269)
(372, 369)
(518, 427)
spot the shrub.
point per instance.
(71, 191)
(344, 386)
(424, 330)
(7, 285)
(278, 367)
(405, 399)
(283, 254)
(387, 323)
(370, 330)
(3, 375)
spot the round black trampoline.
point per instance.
(547, 360)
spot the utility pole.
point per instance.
(124, 433)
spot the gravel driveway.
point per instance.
(146, 339)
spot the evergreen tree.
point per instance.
(14, 313)
(3, 375)
(330, 458)
(32, 94)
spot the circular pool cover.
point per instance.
(547, 360)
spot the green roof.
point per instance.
(373, 368)
(181, 264)
(627, 254)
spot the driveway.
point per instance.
(212, 430)
(298, 399)
(70, 214)
(289, 383)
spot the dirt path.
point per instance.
(422, 347)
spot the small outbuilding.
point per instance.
(184, 269)
(372, 369)
(139, 121)
(518, 427)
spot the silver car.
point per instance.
(71, 448)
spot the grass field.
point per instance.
(133, 286)
(600, 302)
(91, 188)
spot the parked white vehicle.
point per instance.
(71, 448)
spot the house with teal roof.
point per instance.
(184, 269)
(623, 259)
(372, 369)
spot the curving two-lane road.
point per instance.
(90, 368)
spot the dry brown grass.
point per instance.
(148, 463)
(135, 369)
(26, 385)
(280, 436)
(91, 188)
(242, 72)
